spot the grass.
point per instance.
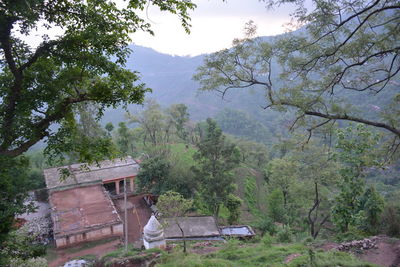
(132, 254)
(185, 154)
(51, 253)
(237, 254)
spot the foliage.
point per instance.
(124, 139)
(215, 158)
(276, 209)
(233, 204)
(179, 116)
(390, 220)
(174, 205)
(261, 255)
(267, 240)
(281, 175)
(354, 147)
(154, 122)
(41, 86)
(153, 175)
(250, 196)
(240, 124)
(20, 247)
(32, 262)
(371, 206)
(89, 142)
(14, 186)
(253, 154)
(284, 235)
(345, 51)
(266, 225)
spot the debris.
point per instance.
(364, 244)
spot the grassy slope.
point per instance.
(234, 254)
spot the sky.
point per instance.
(214, 25)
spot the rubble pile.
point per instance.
(364, 244)
(41, 229)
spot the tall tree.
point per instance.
(179, 116)
(215, 158)
(41, 86)
(346, 51)
(154, 122)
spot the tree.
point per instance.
(340, 65)
(215, 158)
(179, 116)
(173, 205)
(124, 139)
(315, 166)
(41, 86)
(281, 175)
(14, 188)
(153, 174)
(154, 123)
(355, 153)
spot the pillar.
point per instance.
(131, 184)
(117, 187)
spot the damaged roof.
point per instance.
(81, 173)
(80, 209)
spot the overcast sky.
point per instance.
(214, 25)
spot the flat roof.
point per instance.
(81, 173)
(196, 226)
(77, 210)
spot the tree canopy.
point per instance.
(40, 86)
(341, 64)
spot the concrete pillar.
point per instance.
(117, 187)
(131, 184)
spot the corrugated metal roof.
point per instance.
(82, 173)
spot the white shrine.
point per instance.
(153, 234)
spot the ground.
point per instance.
(57, 257)
(138, 216)
(387, 254)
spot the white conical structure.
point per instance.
(153, 234)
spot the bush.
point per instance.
(265, 225)
(267, 240)
(32, 262)
(285, 235)
(390, 220)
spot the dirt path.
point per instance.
(64, 255)
(387, 254)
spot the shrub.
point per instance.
(390, 220)
(266, 225)
(285, 235)
(267, 240)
